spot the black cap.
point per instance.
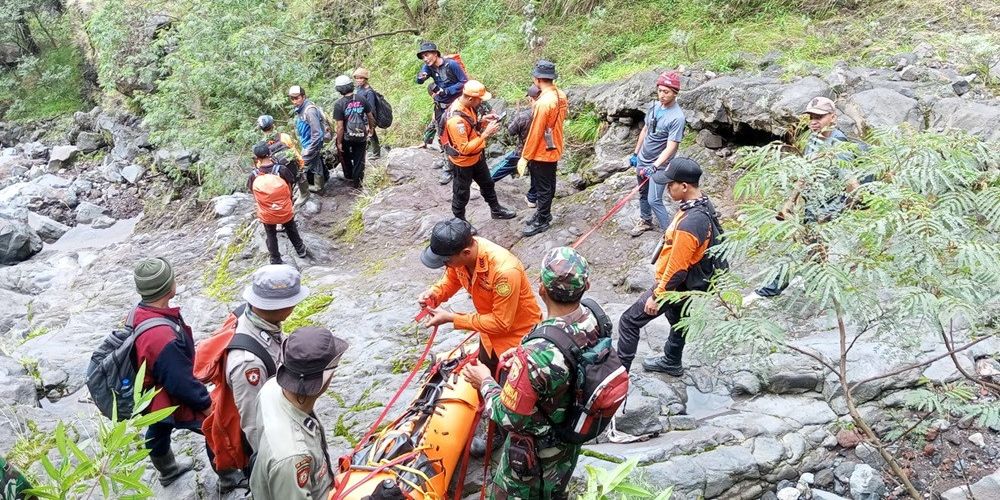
(533, 91)
(680, 169)
(427, 47)
(448, 238)
(545, 69)
(260, 150)
(305, 355)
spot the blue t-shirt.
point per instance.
(662, 126)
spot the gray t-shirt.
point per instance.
(662, 125)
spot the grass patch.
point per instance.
(584, 127)
(301, 316)
(220, 281)
(600, 456)
(30, 447)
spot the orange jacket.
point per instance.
(549, 112)
(506, 308)
(464, 136)
(684, 244)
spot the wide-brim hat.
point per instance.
(545, 69)
(274, 287)
(427, 47)
(308, 357)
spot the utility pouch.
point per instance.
(522, 455)
(550, 144)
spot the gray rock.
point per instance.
(724, 467)
(709, 139)
(961, 87)
(641, 417)
(180, 158)
(867, 484)
(758, 103)
(35, 150)
(52, 181)
(987, 487)
(61, 157)
(87, 212)
(132, 173)
(18, 241)
(769, 495)
(844, 470)
(975, 117)
(880, 107)
(977, 439)
(16, 386)
(111, 171)
(312, 206)
(903, 60)
(639, 279)
(789, 494)
(869, 454)
(48, 230)
(823, 478)
(744, 383)
(225, 206)
(807, 478)
(88, 142)
(103, 221)
(826, 495)
(911, 73)
(841, 78)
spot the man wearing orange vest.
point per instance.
(544, 146)
(465, 139)
(266, 194)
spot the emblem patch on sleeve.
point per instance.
(302, 469)
(502, 287)
(253, 376)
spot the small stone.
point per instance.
(869, 455)
(87, 212)
(823, 478)
(929, 449)
(867, 484)
(844, 470)
(977, 439)
(829, 442)
(960, 466)
(789, 494)
(931, 435)
(910, 73)
(710, 75)
(961, 87)
(132, 173)
(848, 438)
(709, 139)
(102, 222)
(807, 478)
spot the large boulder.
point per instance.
(48, 230)
(180, 158)
(88, 142)
(977, 118)
(61, 157)
(879, 107)
(87, 212)
(16, 386)
(628, 97)
(18, 241)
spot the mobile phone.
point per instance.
(502, 116)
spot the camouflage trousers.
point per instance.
(557, 461)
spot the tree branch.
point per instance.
(949, 341)
(917, 365)
(338, 43)
(813, 356)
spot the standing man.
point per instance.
(168, 352)
(355, 123)
(367, 93)
(501, 293)
(547, 394)
(464, 141)
(544, 145)
(292, 461)
(274, 202)
(312, 135)
(684, 244)
(284, 150)
(518, 129)
(658, 142)
(449, 77)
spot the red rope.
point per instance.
(396, 461)
(618, 206)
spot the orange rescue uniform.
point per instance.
(548, 112)
(506, 308)
(463, 134)
(684, 244)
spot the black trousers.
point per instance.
(635, 317)
(158, 435)
(353, 160)
(460, 187)
(271, 238)
(316, 166)
(543, 182)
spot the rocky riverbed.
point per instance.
(752, 425)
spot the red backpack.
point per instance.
(273, 197)
(222, 429)
(458, 58)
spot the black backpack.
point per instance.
(383, 110)
(355, 124)
(700, 274)
(112, 370)
(281, 154)
(599, 382)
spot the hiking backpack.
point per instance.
(383, 110)
(599, 381)
(458, 59)
(281, 154)
(326, 121)
(355, 123)
(111, 375)
(222, 428)
(700, 275)
(273, 196)
(444, 139)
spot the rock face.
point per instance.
(18, 240)
(883, 108)
(61, 156)
(977, 118)
(48, 230)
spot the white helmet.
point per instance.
(342, 80)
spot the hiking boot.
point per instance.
(169, 468)
(659, 364)
(446, 177)
(538, 225)
(232, 479)
(502, 213)
(439, 163)
(530, 203)
(641, 226)
(303, 253)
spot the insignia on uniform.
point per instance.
(302, 469)
(502, 287)
(461, 128)
(253, 376)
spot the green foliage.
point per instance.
(220, 281)
(30, 447)
(584, 127)
(612, 483)
(112, 460)
(958, 399)
(301, 316)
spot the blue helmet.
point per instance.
(265, 122)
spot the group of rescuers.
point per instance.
(275, 407)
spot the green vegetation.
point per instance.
(220, 281)
(607, 484)
(305, 310)
(30, 447)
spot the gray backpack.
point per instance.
(112, 371)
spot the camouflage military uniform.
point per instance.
(563, 271)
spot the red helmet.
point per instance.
(670, 79)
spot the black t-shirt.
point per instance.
(353, 111)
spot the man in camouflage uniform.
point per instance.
(535, 395)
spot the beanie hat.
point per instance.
(670, 79)
(153, 278)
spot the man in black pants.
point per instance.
(312, 135)
(355, 123)
(544, 145)
(267, 166)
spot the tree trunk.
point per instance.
(24, 34)
(409, 14)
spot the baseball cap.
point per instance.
(275, 286)
(295, 90)
(448, 238)
(260, 150)
(474, 88)
(669, 79)
(820, 106)
(565, 273)
(307, 355)
(680, 169)
(533, 91)
(361, 73)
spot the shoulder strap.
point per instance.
(562, 338)
(151, 323)
(247, 343)
(276, 169)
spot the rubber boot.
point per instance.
(303, 190)
(169, 468)
(232, 479)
